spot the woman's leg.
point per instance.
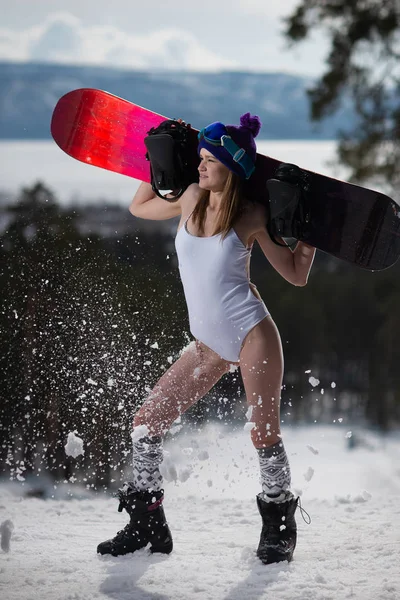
(261, 364)
(196, 371)
(185, 382)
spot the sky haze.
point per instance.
(207, 36)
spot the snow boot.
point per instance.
(147, 524)
(279, 530)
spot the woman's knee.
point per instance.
(155, 422)
(151, 413)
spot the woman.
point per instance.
(217, 229)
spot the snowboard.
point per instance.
(352, 223)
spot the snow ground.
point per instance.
(350, 550)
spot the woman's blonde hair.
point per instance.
(232, 204)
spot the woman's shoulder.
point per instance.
(191, 195)
(251, 221)
(254, 212)
(192, 190)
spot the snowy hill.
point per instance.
(29, 92)
(351, 549)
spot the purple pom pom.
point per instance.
(251, 122)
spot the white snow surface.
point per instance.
(351, 549)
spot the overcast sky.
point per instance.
(157, 34)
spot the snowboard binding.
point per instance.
(288, 214)
(168, 151)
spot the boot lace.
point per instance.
(122, 496)
(304, 514)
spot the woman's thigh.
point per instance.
(194, 373)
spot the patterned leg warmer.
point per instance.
(275, 472)
(147, 457)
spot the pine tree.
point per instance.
(363, 67)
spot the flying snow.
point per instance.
(308, 475)
(6, 529)
(74, 445)
(138, 432)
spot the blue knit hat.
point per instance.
(243, 136)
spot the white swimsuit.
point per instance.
(215, 277)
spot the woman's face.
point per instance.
(212, 173)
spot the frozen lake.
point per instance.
(23, 163)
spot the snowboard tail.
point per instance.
(104, 131)
(355, 224)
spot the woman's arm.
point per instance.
(147, 205)
(294, 266)
(303, 258)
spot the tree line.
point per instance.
(89, 322)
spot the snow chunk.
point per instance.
(6, 529)
(138, 432)
(187, 451)
(308, 475)
(249, 413)
(312, 449)
(314, 381)
(249, 426)
(196, 373)
(175, 428)
(203, 455)
(357, 499)
(184, 474)
(74, 445)
(168, 469)
(363, 497)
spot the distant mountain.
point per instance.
(29, 91)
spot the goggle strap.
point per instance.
(238, 154)
(212, 141)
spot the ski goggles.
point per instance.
(217, 135)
